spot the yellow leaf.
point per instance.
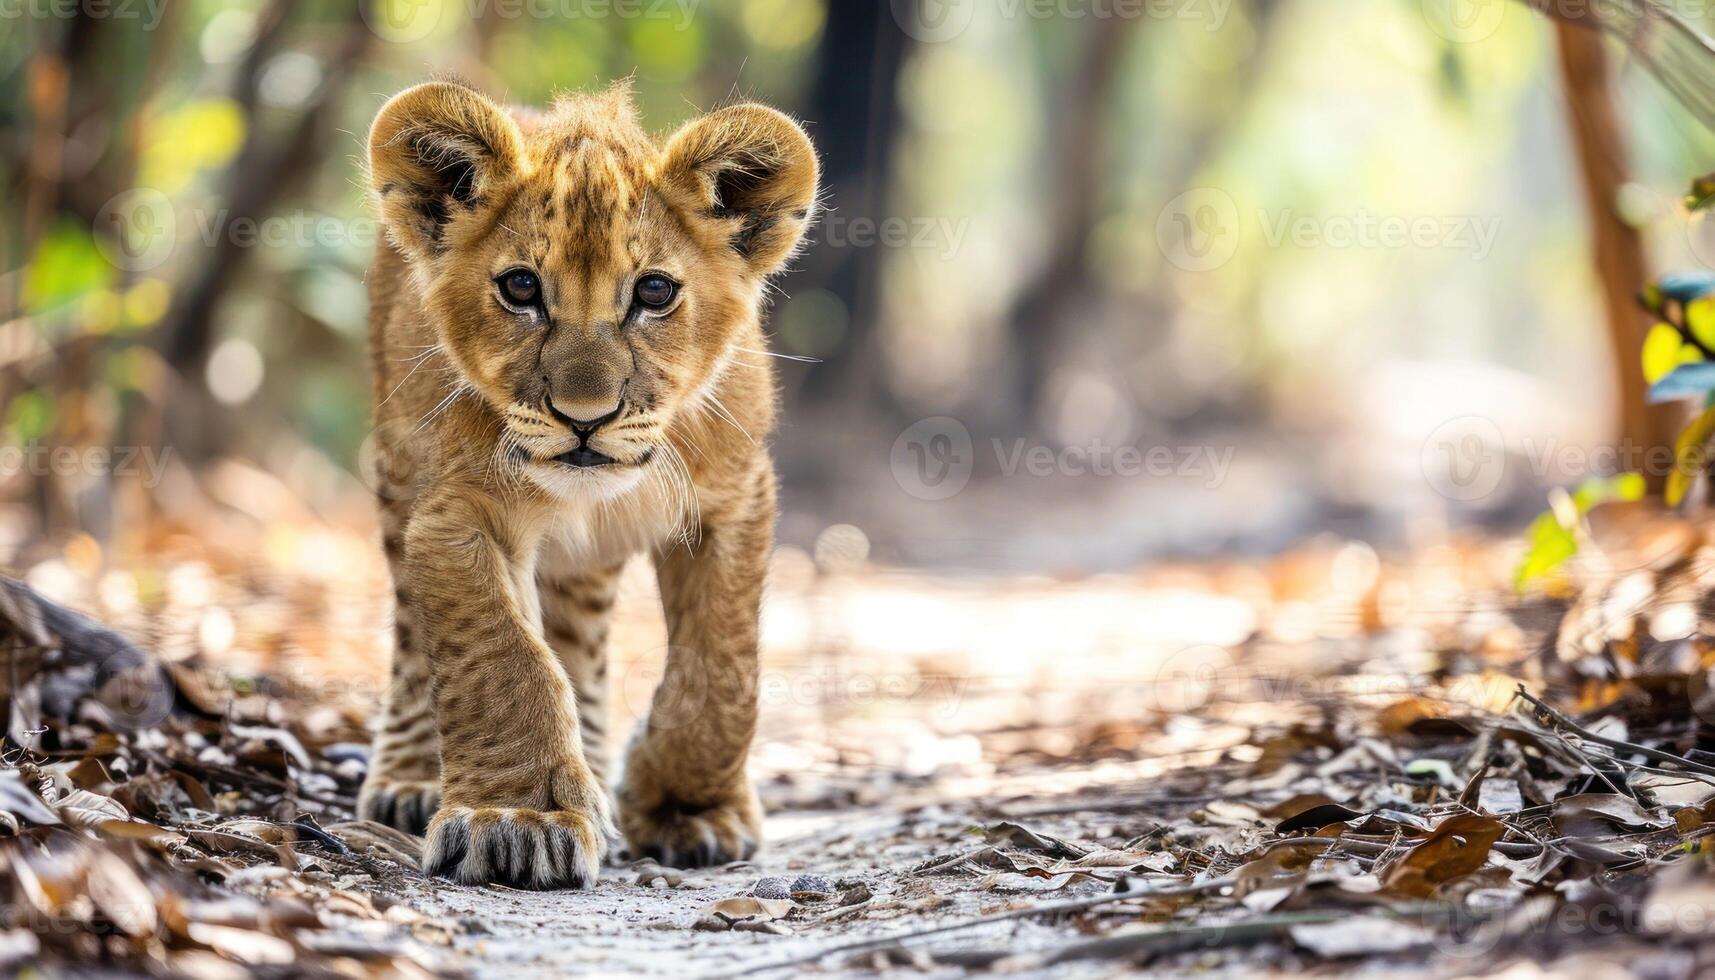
(1689, 456)
(1661, 351)
(1700, 319)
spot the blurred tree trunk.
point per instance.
(854, 118)
(1052, 299)
(268, 165)
(1621, 269)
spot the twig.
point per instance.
(1548, 715)
(1174, 939)
(1053, 908)
(1585, 760)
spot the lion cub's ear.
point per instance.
(435, 151)
(751, 164)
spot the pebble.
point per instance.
(774, 886)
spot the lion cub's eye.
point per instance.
(655, 291)
(521, 287)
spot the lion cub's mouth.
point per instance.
(584, 457)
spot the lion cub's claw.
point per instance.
(683, 837)
(540, 849)
(407, 805)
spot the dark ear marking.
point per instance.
(436, 149)
(460, 176)
(753, 167)
(738, 187)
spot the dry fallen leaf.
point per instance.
(1457, 847)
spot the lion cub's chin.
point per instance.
(585, 485)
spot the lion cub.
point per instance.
(568, 357)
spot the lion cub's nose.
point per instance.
(584, 416)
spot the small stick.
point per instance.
(1546, 711)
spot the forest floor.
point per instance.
(1320, 762)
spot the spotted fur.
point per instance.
(494, 733)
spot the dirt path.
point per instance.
(1317, 768)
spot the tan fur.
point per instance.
(504, 558)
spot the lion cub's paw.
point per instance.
(517, 847)
(686, 836)
(405, 804)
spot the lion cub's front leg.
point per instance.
(685, 798)
(519, 805)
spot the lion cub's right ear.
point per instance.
(435, 152)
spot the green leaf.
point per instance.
(67, 265)
(1552, 537)
(1550, 545)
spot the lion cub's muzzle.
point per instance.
(584, 423)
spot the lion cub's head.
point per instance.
(586, 280)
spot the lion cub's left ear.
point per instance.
(753, 165)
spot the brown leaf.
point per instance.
(1459, 846)
(1016, 835)
(1604, 815)
(1282, 864)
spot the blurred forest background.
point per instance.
(1275, 247)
